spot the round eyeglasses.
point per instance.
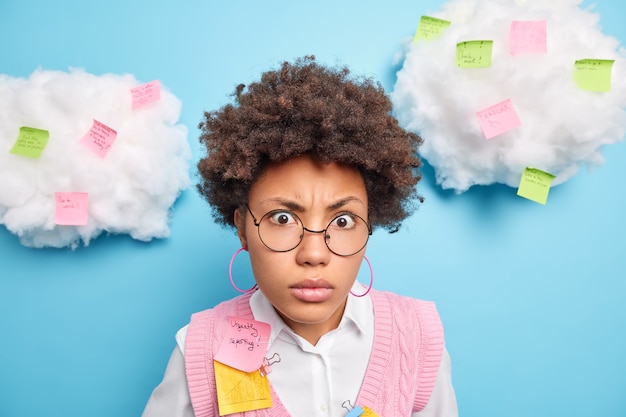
(282, 230)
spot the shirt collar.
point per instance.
(359, 311)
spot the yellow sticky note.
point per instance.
(239, 391)
(593, 74)
(429, 28)
(535, 185)
(368, 412)
(30, 142)
(474, 54)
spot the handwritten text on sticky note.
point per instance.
(528, 37)
(72, 208)
(593, 74)
(239, 391)
(498, 119)
(99, 138)
(145, 94)
(474, 54)
(30, 142)
(245, 344)
(429, 28)
(535, 185)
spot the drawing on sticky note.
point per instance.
(239, 391)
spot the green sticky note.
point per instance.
(593, 74)
(474, 54)
(429, 28)
(30, 142)
(535, 185)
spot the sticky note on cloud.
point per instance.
(474, 54)
(535, 185)
(30, 142)
(593, 74)
(528, 37)
(71, 208)
(99, 138)
(498, 119)
(145, 94)
(429, 28)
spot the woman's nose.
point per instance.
(313, 250)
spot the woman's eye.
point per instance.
(282, 217)
(345, 221)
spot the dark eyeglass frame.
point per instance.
(257, 223)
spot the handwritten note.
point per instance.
(30, 142)
(72, 209)
(535, 185)
(239, 391)
(99, 138)
(145, 94)
(474, 54)
(498, 119)
(528, 37)
(245, 344)
(593, 74)
(429, 28)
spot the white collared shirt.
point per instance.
(315, 381)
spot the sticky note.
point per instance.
(30, 142)
(99, 138)
(145, 94)
(244, 345)
(368, 412)
(498, 119)
(474, 54)
(72, 208)
(593, 74)
(429, 28)
(528, 37)
(239, 391)
(535, 185)
(355, 412)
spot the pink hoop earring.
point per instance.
(371, 279)
(230, 274)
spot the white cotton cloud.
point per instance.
(130, 190)
(563, 127)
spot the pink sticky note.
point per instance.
(245, 344)
(145, 94)
(528, 37)
(99, 138)
(498, 119)
(72, 209)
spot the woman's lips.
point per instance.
(312, 290)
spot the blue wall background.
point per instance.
(532, 296)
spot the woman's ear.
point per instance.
(240, 223)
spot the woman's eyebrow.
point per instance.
(344, 201)
(293, 206)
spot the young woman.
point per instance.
(305, 164)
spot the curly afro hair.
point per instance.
(305, 108)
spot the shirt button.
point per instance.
(324, 408)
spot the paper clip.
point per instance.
(266, 368)
(352, 411)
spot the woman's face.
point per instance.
(309, 285)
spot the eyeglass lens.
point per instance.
(282, 231)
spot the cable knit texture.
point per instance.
(401, 374)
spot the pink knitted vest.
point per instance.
(401, 374)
